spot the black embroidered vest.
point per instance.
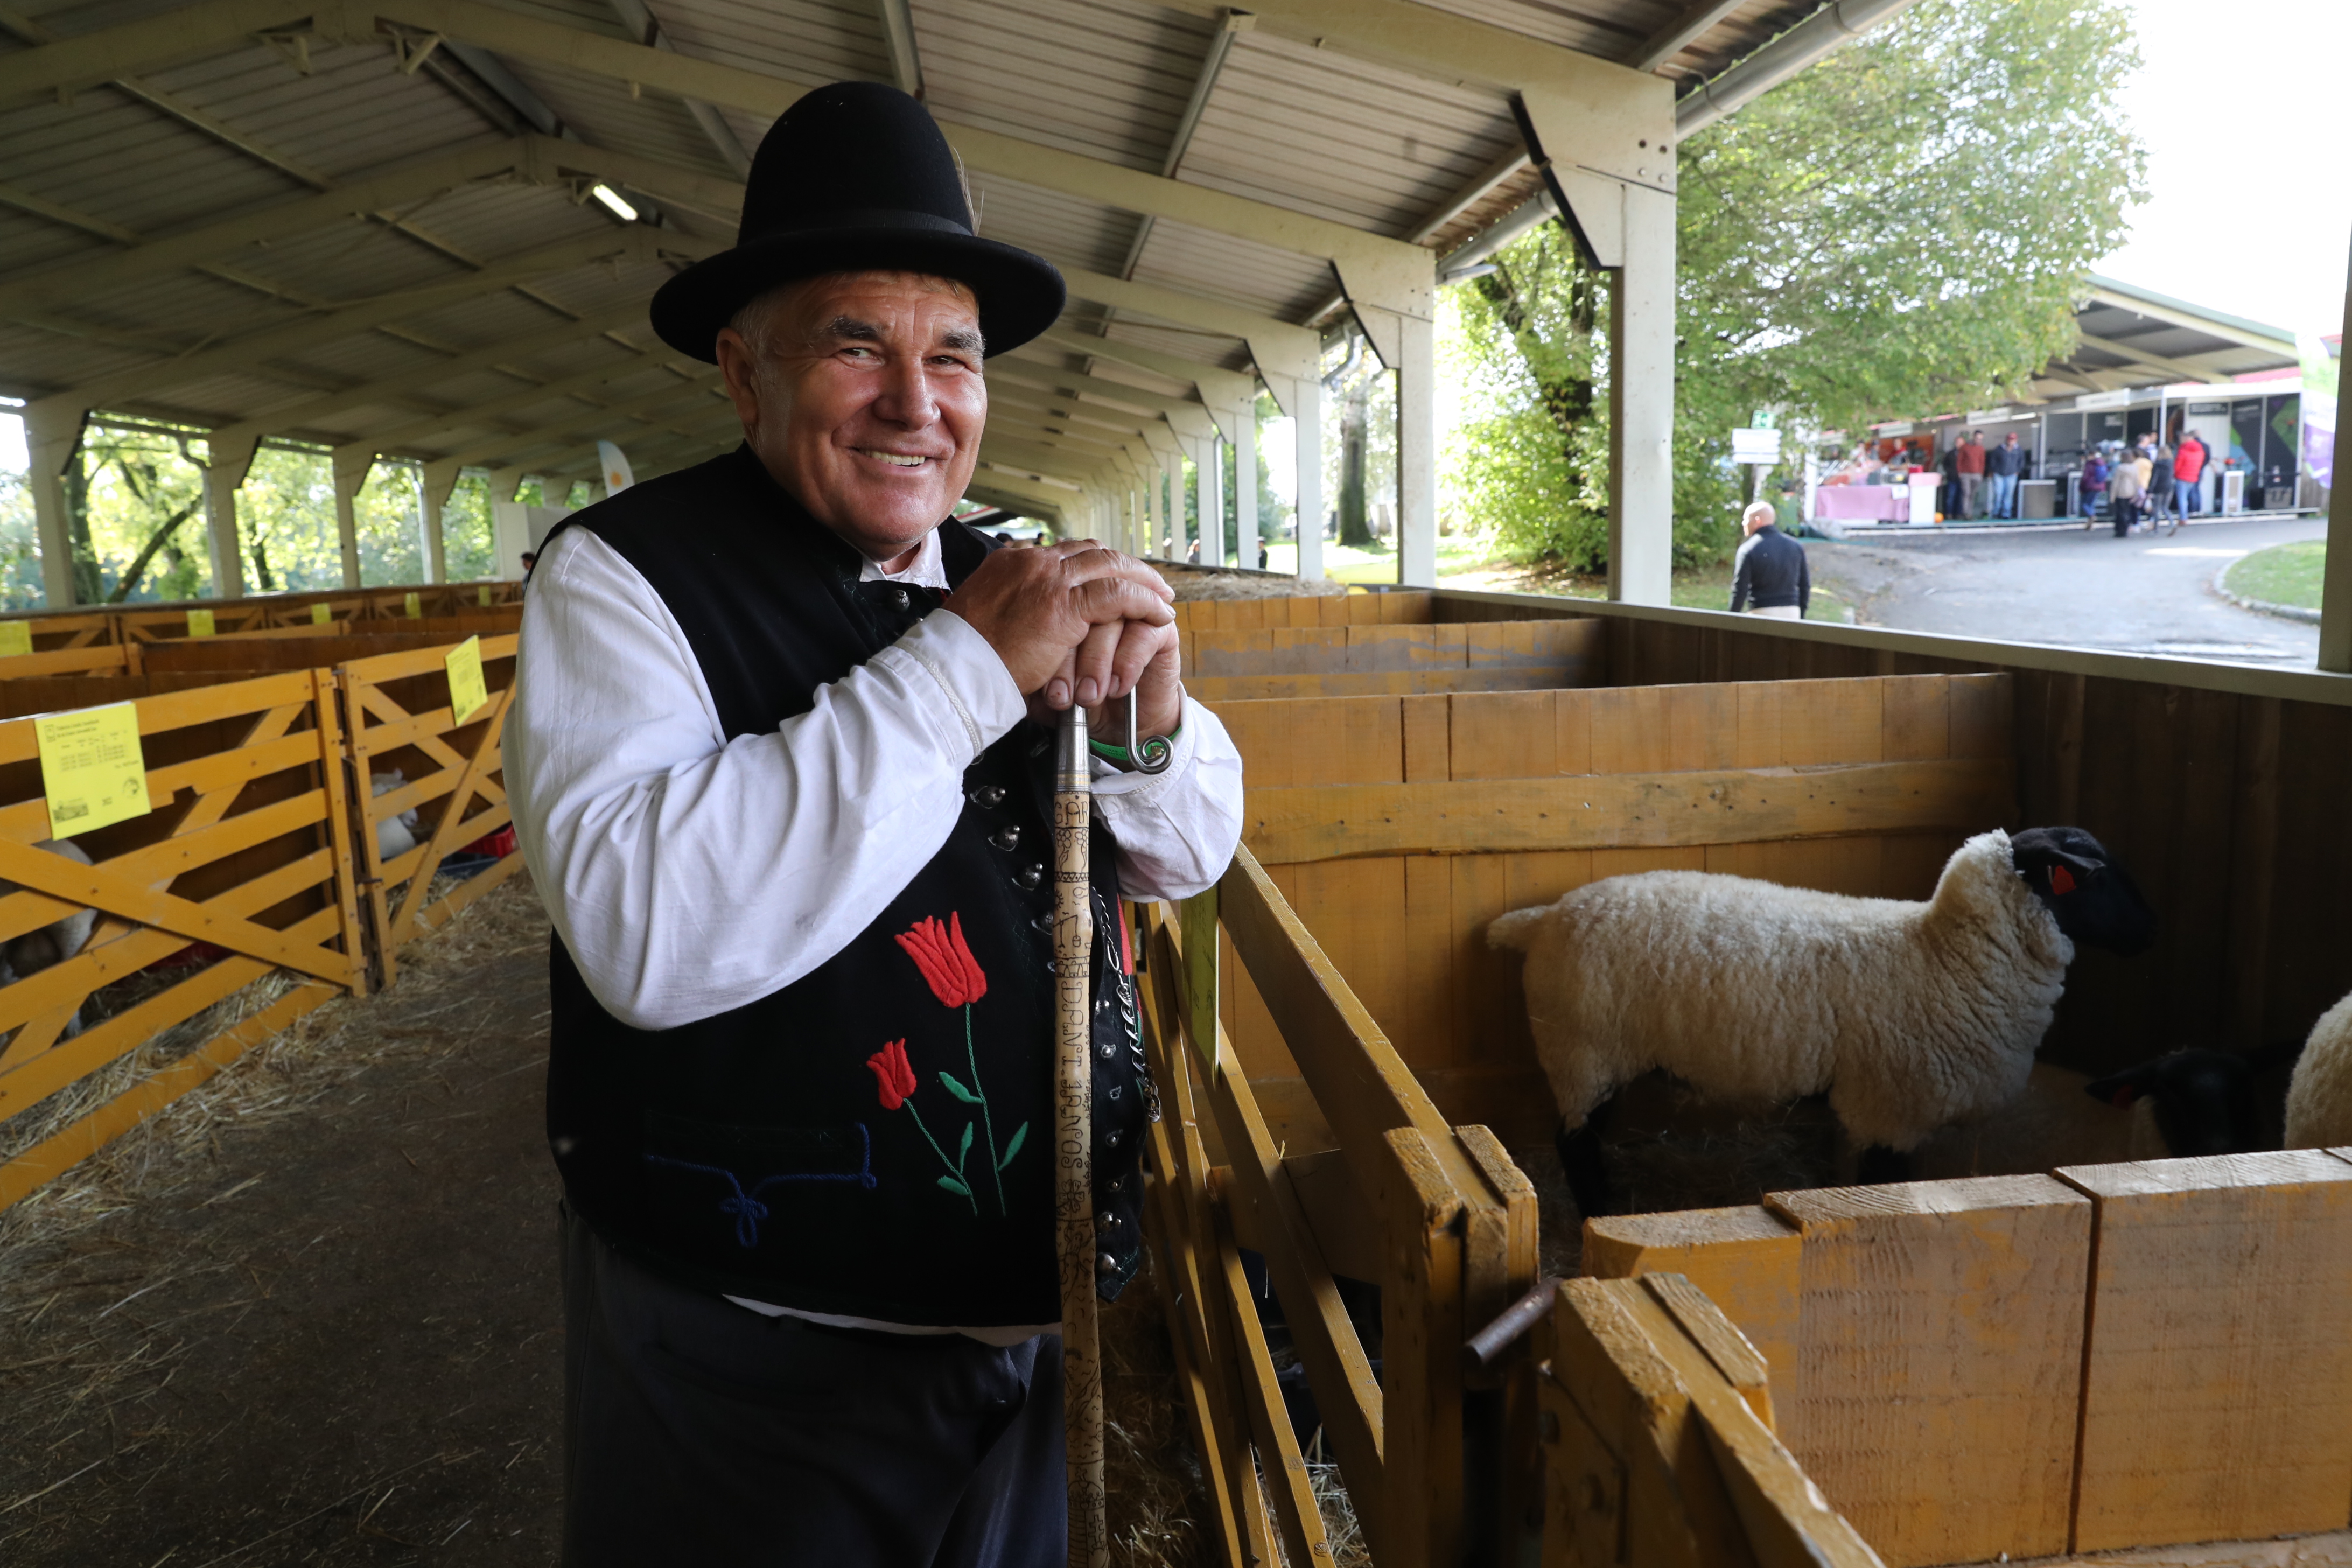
(875, 1138)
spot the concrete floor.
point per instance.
(2141, 595)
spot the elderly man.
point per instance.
(777, 766)
(1769, 576)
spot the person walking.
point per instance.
(1972, 467)
(1949, 501)
(780, 759)
(2159, 487)
(2123, 486)
(2188, 477)
(2093, 487)
(1770, 574)
(2143, 462)
(2004, 466)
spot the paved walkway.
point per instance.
(2146, 593)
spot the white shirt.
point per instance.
(689, 874)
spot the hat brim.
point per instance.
(1020, 294)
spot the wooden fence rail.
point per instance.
(1435, 1215)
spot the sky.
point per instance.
(2244, 111)
(2244, 108)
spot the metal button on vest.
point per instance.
(1106, 1264)
(898, 599)
(1006, 838)
(988, 796)
(1030, 876)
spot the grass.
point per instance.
(2283, 574)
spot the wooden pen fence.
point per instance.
(241, 870)
(138, 623)
(2104, 1357)
(1435, 1215)
(261, 853)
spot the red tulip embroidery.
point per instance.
(895, 1077)
(938, 950)
(956, 979)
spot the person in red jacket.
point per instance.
(2188, 479)
(1972, 472)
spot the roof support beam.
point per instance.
(1218, 389)
(1678, 35)
(1278, 347)
(246, 353)
(475, 415)
(669, 409)
(2178, 369)
(647, 29)
(898, 32)
(299, 415)
(1384, 271)
(1230, 23)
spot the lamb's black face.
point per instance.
(2095, 901)
(2204, 1100)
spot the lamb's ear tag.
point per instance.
(2061, 880)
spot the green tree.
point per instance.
(1903, 227)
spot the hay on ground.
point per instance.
(1209, 583)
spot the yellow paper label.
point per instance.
(92, 769)
(321, 614)
(15, 637)
(483, 595)
(415, 608)
(467, 693)
(200, 623)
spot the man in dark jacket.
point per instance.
(1768, 576)
(2004, 465)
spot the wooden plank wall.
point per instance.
(1389, 609)
(1391, 661)
(2227, 809)
(1408, 931)
(2107, 1357)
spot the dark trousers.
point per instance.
(699, 1432)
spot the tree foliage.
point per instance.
(1902, 229)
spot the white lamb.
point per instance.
(2319, 1097)
(1910, 1016)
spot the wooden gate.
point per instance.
(397, 709)
(246, 853)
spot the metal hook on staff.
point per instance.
(1151, 756)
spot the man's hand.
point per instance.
(1076, 621)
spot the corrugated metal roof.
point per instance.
(246, 128)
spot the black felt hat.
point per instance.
(856, 177)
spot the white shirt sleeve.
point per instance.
(689, 874)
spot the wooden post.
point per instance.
(1746, 1260)
(1941, 1333)
(2217, 1387)
(1420, 1342)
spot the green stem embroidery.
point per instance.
(942, 1154)
(988, 1119)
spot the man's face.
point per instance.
(2008, 440)
(864, 397)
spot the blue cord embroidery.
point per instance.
(747, 1208)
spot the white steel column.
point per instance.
(1179, 533)
(1307, 417)
(51, 442)
(351, 472)
(1211, 480)
(1642, 404)
(227, 463)
(1240, 425)
(434, 482)
(1417, 453)
(2336, 585)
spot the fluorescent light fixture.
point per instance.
(613, 204)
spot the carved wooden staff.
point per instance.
(1074, 1193)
